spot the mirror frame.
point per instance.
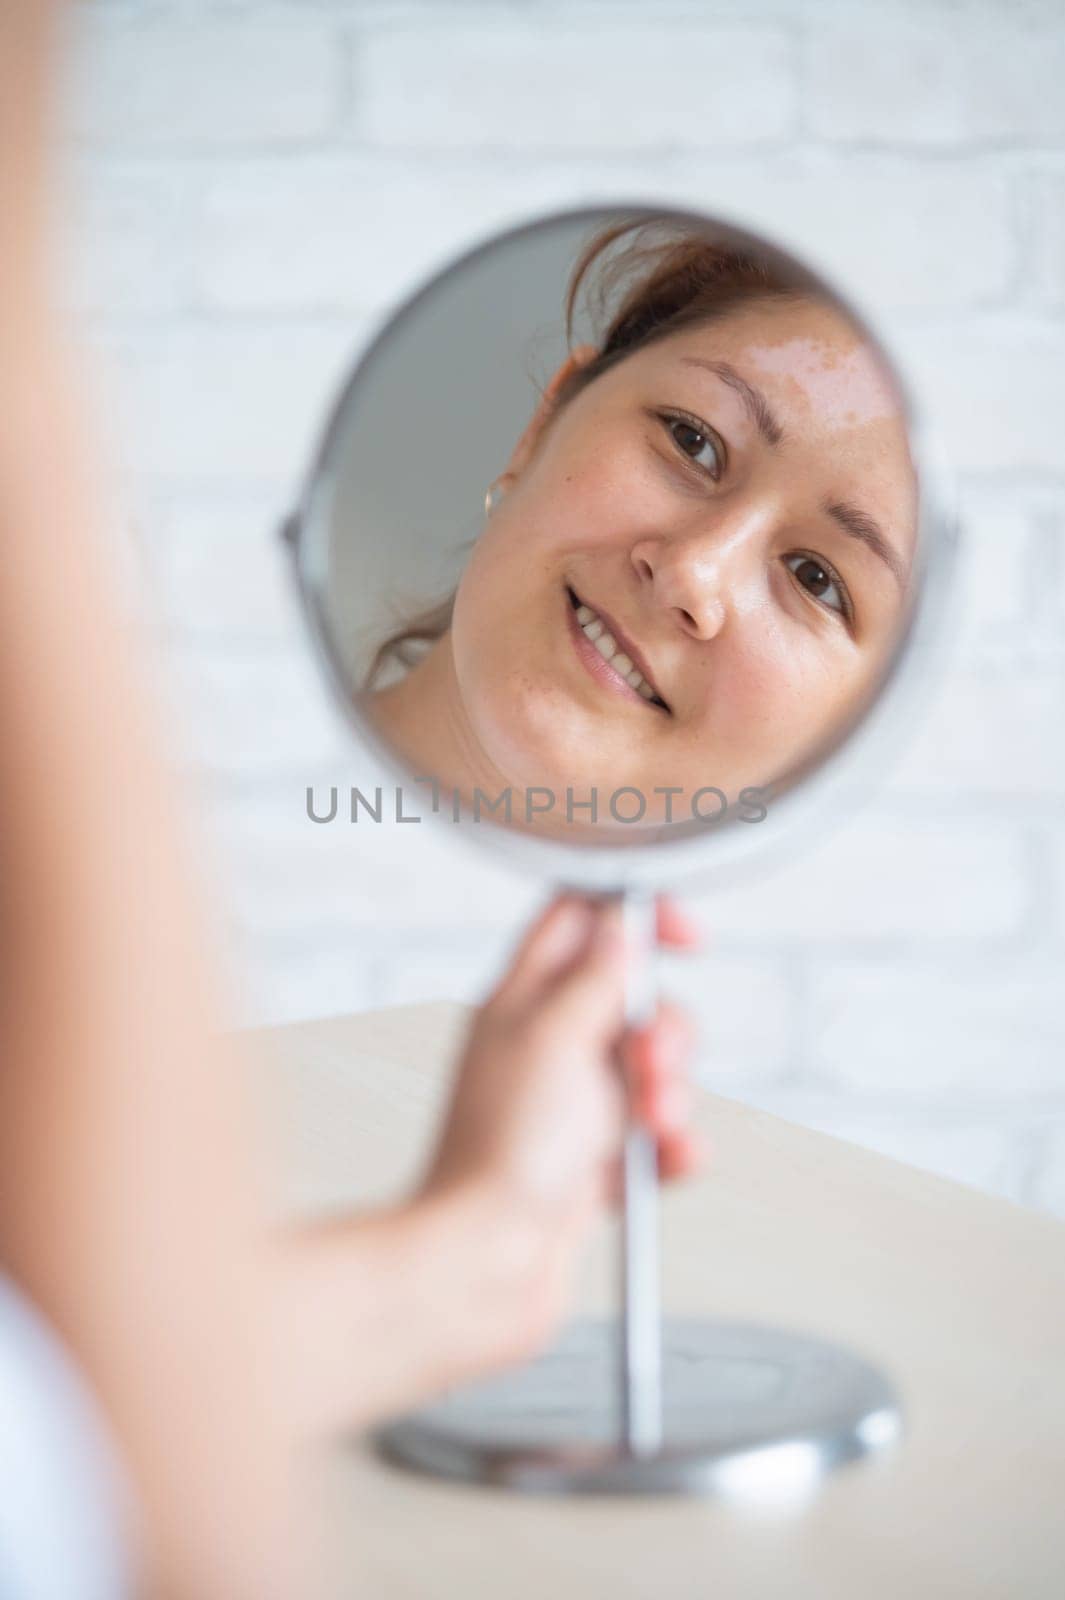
(846, 767)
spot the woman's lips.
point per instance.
(615, 671)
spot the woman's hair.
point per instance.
(667, 277)
(638, 281)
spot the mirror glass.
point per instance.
(614, 531)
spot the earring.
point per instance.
(493, 495)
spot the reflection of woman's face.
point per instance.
(733, 510)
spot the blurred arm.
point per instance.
(127, 1200)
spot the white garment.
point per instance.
(61, 1495)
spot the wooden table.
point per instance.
(959, 1296)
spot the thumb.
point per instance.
(555, 939)
(589, 995)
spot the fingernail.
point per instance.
(569, 928)
(684, 922)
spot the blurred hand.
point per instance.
(537, 1112)
(473, 1270)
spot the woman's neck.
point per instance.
(423, 718)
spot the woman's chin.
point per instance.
(560, 783)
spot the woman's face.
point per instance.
(698, 569)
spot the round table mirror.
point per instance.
(626, 550)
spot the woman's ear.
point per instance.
(578, 357)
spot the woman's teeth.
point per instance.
(593, 629)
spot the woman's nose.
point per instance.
(689, 578)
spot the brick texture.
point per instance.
(251, 184)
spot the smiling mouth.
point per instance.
(613, 651)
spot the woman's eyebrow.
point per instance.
(759, 410)
(860, 525)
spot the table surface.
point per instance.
(960, 1297)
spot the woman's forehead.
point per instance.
(822, 384)
(807, 355)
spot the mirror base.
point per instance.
(750, 1413)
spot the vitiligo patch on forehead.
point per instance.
(846, 388)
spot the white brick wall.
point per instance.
(928, 77)
(164, 78)
(251, 183)
(569, 83)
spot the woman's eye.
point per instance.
(819, 582)
(696, 445)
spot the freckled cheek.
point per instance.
(607, 495)
(765, 685)
(763, 692)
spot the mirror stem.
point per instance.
(641, 1322)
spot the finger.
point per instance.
(663, 1100)
(589, 995)
(554, 941)
(670, 1104)
(654, 1054)
(675, 927)
(681, 1155)
(668, 1038)
(613, 1182)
